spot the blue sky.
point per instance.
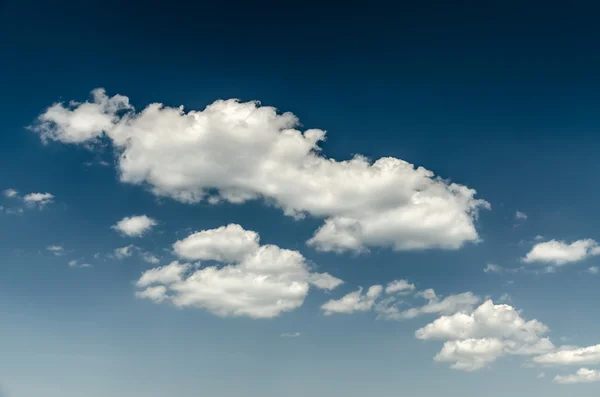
(231, 248)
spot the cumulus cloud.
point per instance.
(401, 287)
(561, 253)
(134, 226)
(261, 282)
(583, 375)
(473, 340)
(571, 356)
(38, 199)
(353, 302)
(238, 151)
(450, 304)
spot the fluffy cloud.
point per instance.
(571, 356)
(234, 151)
(262, 282)
(134, 226)
(38, 199)
(475, 339)
(583, 375)
(354, 302)
(560, 253)
(401, 287)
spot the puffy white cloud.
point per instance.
(520, 216)
(149, 258)
(10, 193)
(239, 151)
(401, 287)
(229, 243)
(56, 249)
(583, 375)
(39, 199)
(261, 283)
(571, 356)
(354, 302)
(475, 339)
(134, 226)
(560, 253)
(470, 354)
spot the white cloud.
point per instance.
(235, 152)
(560, 253)
(262, 283)
(505, 298)
(593, 270)
(10, 193)
(541, 375)
(134, 226)
(75, 264)
(583, 375)
(473, 340)
(290, 335)
(149, 258)
(56, 249)
(401, 287)
(229, 243)
(354, 301)
(448, 305)
(128, 251)
(124, 252)
(571, 356)
(39, 199)
(491, 268)
(520, 216)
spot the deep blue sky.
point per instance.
(500, 96)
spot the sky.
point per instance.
(271, 200)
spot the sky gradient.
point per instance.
(293, 246)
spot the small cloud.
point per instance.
(491, 268)
(125, 252)
(520, 216)
(134, 226)
(74, 264)
(541, 375)
(593, 270)
(538, 237)
(290, 335)
(149, 258)
(10, 193)
(39, 199)
(56, 249)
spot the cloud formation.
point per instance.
(571, 356)
(257, 281)
(238, 151)
(134, 226)
(561, 253)
(354, 301)
(474, 340)
(583, 375)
